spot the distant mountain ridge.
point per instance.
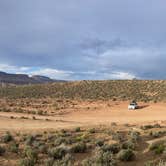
(22, 79)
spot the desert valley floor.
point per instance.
(85, 114)
(63, 132)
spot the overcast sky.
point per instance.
(84, 39)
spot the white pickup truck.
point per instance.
(133, 106)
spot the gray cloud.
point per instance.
(92, 39)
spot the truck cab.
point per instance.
(133, 106)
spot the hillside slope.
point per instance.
(122, 90)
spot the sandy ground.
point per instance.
(117, 112)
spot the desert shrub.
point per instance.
(113, 124)
(43, 149)
(134, 135)
(63, 131)
(156, 125)
(32, 112)
(146, 127)
(5, 109)
(7, 137)
(67, 160)
(128, 145)
(161, 163)
(82, 138)
(29, 153)
(49, 162)
(126, 155)
(114, 148)
(92, 130)
(77, 129)
(57, 153)
(24, 117)
(19, 110)
(157, 134)
(114, 99)
(2, 150)
(40, 112)
(62, 140)
(100, 158)
(14, 147)
(155, 101)
(29, 140)
(36, 144)
(26, 162)
(88, 162)
(34, 118)
(79, 148)
(99, 142)
(149, 163)
(59, 141)
(158, 147)
(50, 137)
(117, 137)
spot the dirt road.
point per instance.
(115, 113)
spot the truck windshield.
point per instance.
(133, 104)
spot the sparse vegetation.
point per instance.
(100, 158)
(63, 147)
(113, 148)
(77, 129)
(143, 90)
(128, 145)
(7, 137)
(158, 147)
(26, 162)
(126, 155)
(100, 142)
(92, 130)
(2, 150)
(79, 148)
(112, 145)
(14, 147)
(57, 153)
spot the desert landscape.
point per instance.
(76, 113)
(82, 83)
(83, 123)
